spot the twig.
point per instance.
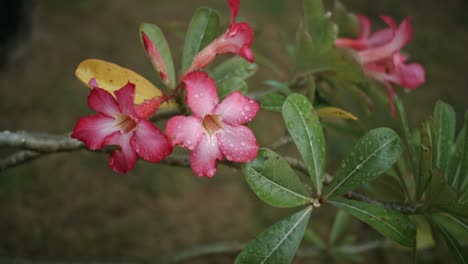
(18, 158)
(297, 164)
(40, 142)
(284, 140)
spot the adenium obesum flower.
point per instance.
(215, 130)
(380, 54)
(237, 40)
(121, 123)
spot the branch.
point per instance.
(40, 142)
(402, 208)
(284, 140)
(18, 158)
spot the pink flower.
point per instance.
(215, 130)
(380, 55)
(237, 40)
(119, 122)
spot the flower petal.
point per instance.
(403, 34)
(148, 108)
(93, 130)
(237, 109)
(185, 131)
(202, 96)
(365, 26)
(203, 157)
(126, 97)
(155, 57)
(412, 75)
(238, 143)
(102, 101)
(124, 159)
(234, 7)
(149, 142)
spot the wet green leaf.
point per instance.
(277, 244)
(444, 126)
(273, 180)
(305, 129)
(203, 28)
(373, 155)
(231, 75)
(392, 224)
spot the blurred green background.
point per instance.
(71, 206)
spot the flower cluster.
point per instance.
(214, 131)
(381, 57)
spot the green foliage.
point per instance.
(231, 75)
(157, 37)
(348, 23)
(373, 155)
(272, 102)
(454, 246)
(273, 180)
(279, 243)
(204, 28)
(305, 129)
(339, 225)
(392, 224)
(444, 126)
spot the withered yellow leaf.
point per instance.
(334, 112)
(112, 77)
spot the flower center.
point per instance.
(212, 124)
(125, 123)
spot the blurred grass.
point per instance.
(71, 206)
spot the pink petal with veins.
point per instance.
(124, 159)
(237, 109)
(148, 108)
(185, 131)
(202, 96)
(238, 143)
(403, 34)
(149, 142)
(155, 57)
(365, 26)
(126, 97)
(203, 157)
(93, 130)
(103, 102)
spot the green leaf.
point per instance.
(156, 36)
(404, 122)
(454, 246)
(203, 28)
(392, 224)
(462, 172)
(277, 244)
(341, 64)
(425, 161)
(231, 75)
(305, 129)
(453, 223)
(273, 102)
(444, 126)
(320, 27)
(348, 23)
(339, 226)
(273, 180)
(374, 154)
(280, 86)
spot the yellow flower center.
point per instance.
(212, 124)
(125, 123)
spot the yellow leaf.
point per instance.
(334, 112)
(112, 77)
